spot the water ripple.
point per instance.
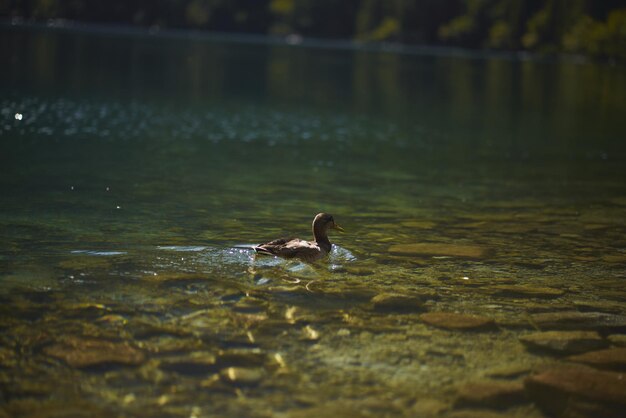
(99, 253)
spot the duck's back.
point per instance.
(292, 248)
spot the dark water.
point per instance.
(132, 166)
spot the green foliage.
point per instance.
(538, 26)
(198, 12)
(500, 35)
(587, 27)
(604, 39)
(282, 7)
(457, 29)
(387, 29)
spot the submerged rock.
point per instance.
(568, 320)
(86, 352)
(241, 358)
(55, 408)
(526, 291)
(509, 371)
(7, 358)
(419, 224)
(458, 322)
(564, 342)
(475, 413)
(615, 258)
(441, 250)
(611, 359)
(491, 394)
(310, 334)
(487, 283)
(618, 340)
(578, 391)
(250, 305)
(342, 408)
(360, 270)
(196, 364)
(428, 407)
(396, 302)
(241, 376)
(28, 387)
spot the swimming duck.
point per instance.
(299, 248)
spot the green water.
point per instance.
(140, 164)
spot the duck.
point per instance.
(302, 249)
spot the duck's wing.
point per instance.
(290, 248)
(272, 246)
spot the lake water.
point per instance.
(134, 167)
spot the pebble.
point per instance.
(87, 352)
(310, 334)
(359, 270)
(615, 258)
(53, 407)
(618, 340)
(526, 291)
(396, 302)
(429, 407)
(509, 371)
(197, 364)
(491, 394)
(241, 376)
(419, 224)
(475, 413)
(437, 249)
(569, 320)
(341, 409)
(564, 342)
(458, 322)
(250, 305)
(245, 358)
(8, 358)
(578, 391)
(612, 359)
(343, 332)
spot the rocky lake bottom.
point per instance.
(421, 329)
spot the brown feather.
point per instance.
(299, 248)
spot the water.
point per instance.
(139, 165)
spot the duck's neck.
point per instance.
(321, 237)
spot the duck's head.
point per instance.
(323, 222)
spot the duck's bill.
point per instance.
(338, 228)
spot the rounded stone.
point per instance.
(564, 342)
(88, 352)
(241, 376)
(492, 394)
(572, 320)
(197, 364)
(395, 302)
(458, 322)
(526, 291)
(578, 390)
(612, 358)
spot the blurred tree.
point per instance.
(579, 26)
(319, 18)
(604, 39)
(378, 20)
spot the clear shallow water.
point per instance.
(141, 164)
